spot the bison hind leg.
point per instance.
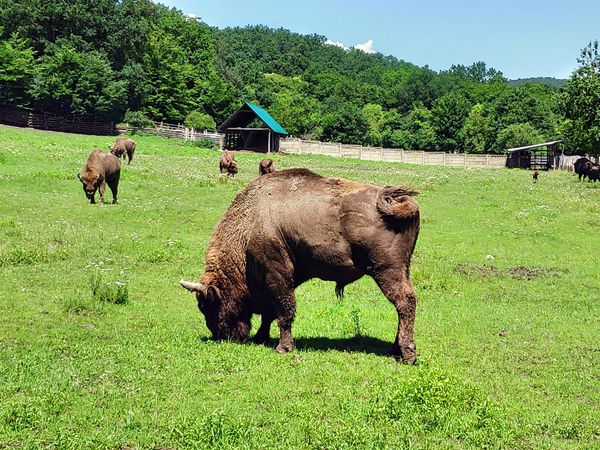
(339, 290)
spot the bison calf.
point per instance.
(100, 169)
(294, 225)
(123, 146)
(266, 166)
(227, 164)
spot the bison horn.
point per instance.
(192, 287)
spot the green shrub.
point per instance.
(203, 143)
(518, 135)
(200, 121)
(137, 119)
(116, 292)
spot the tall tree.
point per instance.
(581, 103)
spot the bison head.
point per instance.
(232, 169)
(90, 184)
(221, 320)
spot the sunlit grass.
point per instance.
(100, 347)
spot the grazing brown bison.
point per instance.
(582, 167)
(100, 169)
(266, 166)
(123, 146)
(294, 225)
(227, 164)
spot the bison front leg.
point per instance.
(286, 311)
(398, 289)
(284, 303)
(101, 190)
(262, 335)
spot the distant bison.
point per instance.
(582, 166)
(123, 146)
(535, 176)
(227, 163)
(294, 225)
(266, 166)
(100, 169)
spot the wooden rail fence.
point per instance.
(43, 121)
(297, 146)
(176, 131)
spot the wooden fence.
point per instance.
(176, 131)
(297, 146)
(43, 121)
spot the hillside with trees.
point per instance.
(134, 60)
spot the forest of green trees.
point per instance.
(134, 60)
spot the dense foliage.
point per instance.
(103, 58)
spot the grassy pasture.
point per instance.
(101, 348)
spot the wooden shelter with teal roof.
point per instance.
(263, 136)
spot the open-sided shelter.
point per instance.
(534, 157)
(238, 135)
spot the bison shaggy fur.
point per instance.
(294, 225)
(100, 169)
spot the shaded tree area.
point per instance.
(102, 58)
(110, 59)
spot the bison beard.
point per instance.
(294, 225)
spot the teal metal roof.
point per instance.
(266, 118)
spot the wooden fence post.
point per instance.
(423, 158)
(465, 160)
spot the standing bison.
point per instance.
(582, 167)
(227, 164)
(266, 166)
(123, 146)
(294, 225)
(100, 169)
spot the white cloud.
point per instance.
(367, 47)
(336, 44)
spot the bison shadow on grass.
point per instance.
(357, 344)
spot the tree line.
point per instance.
(134, 60)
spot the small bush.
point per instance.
(116, 292)
(202, 143)
(200, 121)
(137, 119)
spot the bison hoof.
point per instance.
(284, 347)
(407, 355)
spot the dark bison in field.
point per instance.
(100, 169)
(266, 166)
(123, 146)
(227, 164)
(294, 225)
(582, 167)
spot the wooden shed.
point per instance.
(533, 157)
(238, 134)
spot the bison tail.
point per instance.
(395, 202)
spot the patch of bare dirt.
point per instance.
(518, 272)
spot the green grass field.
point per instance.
(101, 348)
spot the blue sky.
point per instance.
(520, 38)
